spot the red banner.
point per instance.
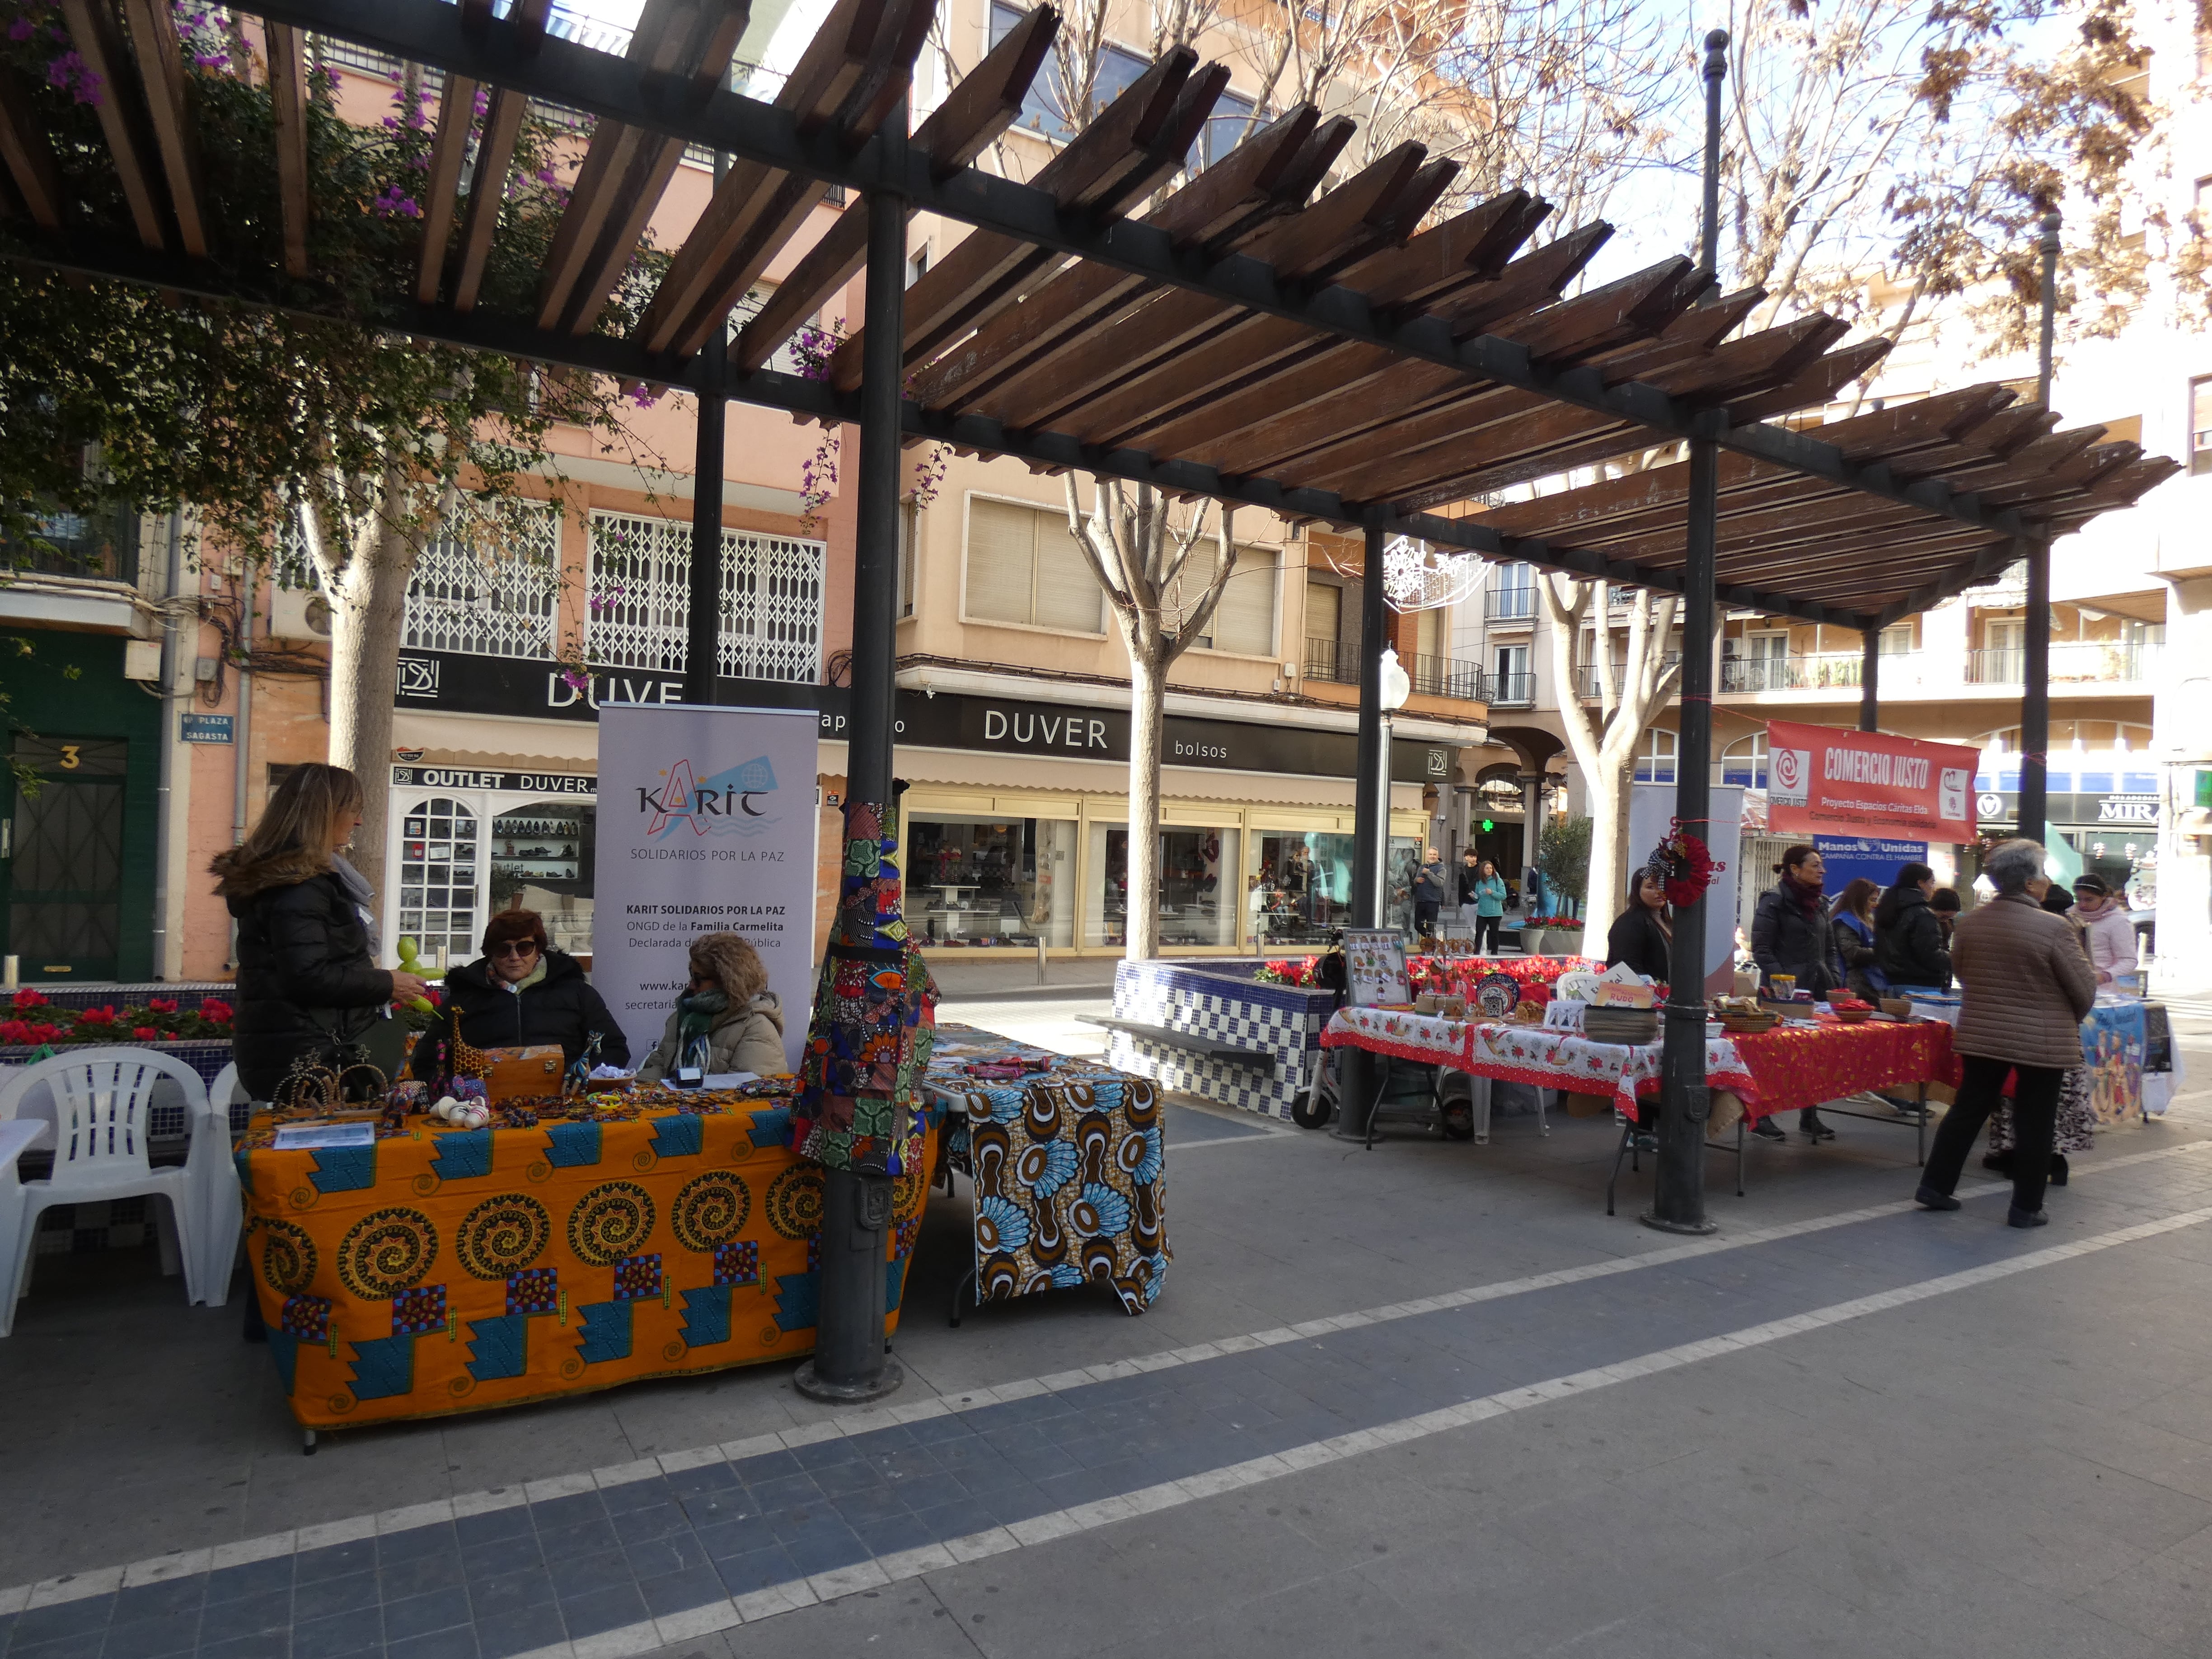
(1826, 778)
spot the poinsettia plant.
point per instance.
(1295, 971)
(34, 1020)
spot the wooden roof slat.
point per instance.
(625, 169)
(960, 289)
(153, 30)
(1478, 242)
(1113, 370)
(495, 160)
(755, 207)
(98, 40)
(1227, 201)
(983, 105)
(287, 98)
(28, 156)
(1633, 307)
(449, 146)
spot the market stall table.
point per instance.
(441, 1270)
(1069, 1163)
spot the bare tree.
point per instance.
(1142, 556)
(1925, 141)
(1630, 695)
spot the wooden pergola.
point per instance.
(1263, 331)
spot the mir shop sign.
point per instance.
(1011, 726)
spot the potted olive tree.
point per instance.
(1562, 853)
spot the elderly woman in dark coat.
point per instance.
(2027, 986)
(1789, 934)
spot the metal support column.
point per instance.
(850, 1361)
(1359, 1071)
(2035, 666)
(703, 621)
(1870, 680)
(1678, 1188)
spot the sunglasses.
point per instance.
(515, 948)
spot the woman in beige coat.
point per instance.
(727, 1021)
(2027, 986)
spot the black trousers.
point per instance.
(1424, 916)
(1485, 934)
(2034, 1118)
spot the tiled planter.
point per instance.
(1220, 1000)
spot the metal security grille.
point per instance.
(489, 601)
(771, 599)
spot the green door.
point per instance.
(64, 870)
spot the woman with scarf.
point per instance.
(1789, 934)
(728, 1020)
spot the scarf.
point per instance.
(364, 899)
(1805, 898)
(695, 1014)
(516, 986)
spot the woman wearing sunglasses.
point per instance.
(522, 991)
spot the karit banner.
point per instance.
(706, 825)
(1828, 780)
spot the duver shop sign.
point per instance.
(495, 685)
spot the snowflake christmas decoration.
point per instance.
(1418, 577)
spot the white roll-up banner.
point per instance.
(707, 822)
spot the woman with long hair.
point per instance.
(1851, 924)
(1642, 935)
(727, 1020)
(308, 978)
(1789, 935)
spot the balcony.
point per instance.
(1510, 604)
(1802, 672)
(1513, 690)
(1586, 680)
(81, 573)
(1329, 660)
(97, 547)
(1442, 676)
(2073, 662)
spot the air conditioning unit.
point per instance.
(300, 614)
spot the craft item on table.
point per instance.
(581, 1069)
(534, 1069)
(462, 1115)
(513, 1115)
(1746, 983)
(1498, 995)
(1850, 1009)
(467, 1089)
(1564, 1014)
(1619, 1022)
(1005, 1070)
(1375, 967)
(1622, 986)
(301, 1136)
(874, 1008)
(1425, 1003)
(1529, 1012)
(1579, 986)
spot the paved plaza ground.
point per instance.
(1427, 1399)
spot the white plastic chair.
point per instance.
(98, 1099)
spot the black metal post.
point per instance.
(850, 1362)
(1371, 840)
(1358, 1071)
(1709, 230)
(1678, 1187)
(703, 621)
(2035, 666)
(1870, 680)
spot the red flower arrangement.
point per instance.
(1299, 971)
(1684, 864)
(28, 998)
(162, 1019)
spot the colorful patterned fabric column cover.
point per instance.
(874, 1005)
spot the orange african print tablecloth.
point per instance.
(449, 1270)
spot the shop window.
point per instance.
(1244, 621)
(1401, 865)
(1197, 903)
(542, 857)
(2200, 424)
(1023, 566)
(477, 599)
(1744, 761)
(1301, 890)
(991, 882)
(640, 600)
(438, 878)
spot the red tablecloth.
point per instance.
(1792, 1068)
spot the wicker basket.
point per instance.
(1852, 1015)
(1748, 1024)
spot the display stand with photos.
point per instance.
(1375, 967)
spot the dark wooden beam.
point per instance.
(152, 29)
(449, 149)
(99, 40)
(28, 156)
(287, 98)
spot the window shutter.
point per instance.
(1245, 621)
(1001, 560)
(1324, 611)
(1067, 594)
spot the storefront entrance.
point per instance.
(464, 853)
(65, 869)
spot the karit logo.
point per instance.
(734, 802)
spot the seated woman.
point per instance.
(727, 1021)
(522, 991)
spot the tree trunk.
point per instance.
(1609, 883)
(368, 613)
(1147, 714)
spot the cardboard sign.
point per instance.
(1826, 779)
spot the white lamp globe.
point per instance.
(1396, 687)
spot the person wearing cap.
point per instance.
(2105, 929)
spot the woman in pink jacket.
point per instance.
(2110, 936)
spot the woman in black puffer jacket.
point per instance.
(521, 992)
(1789, 934)
(308, 978)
